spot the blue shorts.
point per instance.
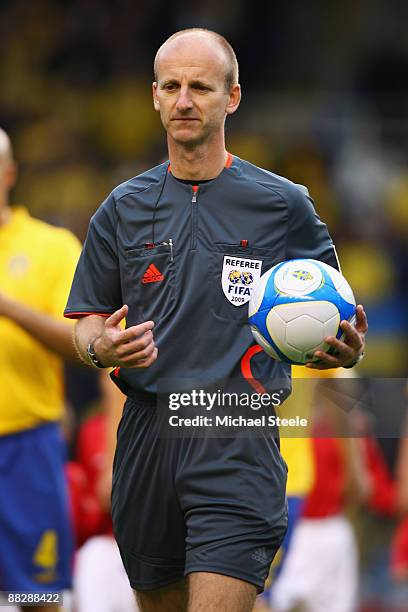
(195, 505)
(35, 531)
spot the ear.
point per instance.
(156, 102)
(10, 175)
(234, 98)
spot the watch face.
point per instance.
(92, 356)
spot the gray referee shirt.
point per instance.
(187, 258)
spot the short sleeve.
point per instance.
(66, 249)
(96, 286)
(308, 236)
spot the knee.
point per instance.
(166, 599)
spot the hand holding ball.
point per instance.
(295, 305)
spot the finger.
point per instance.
(140, 344)
(317, 365)
(144, 363)
(142, 353)
(361, 324)
(352, 336)
(329, 358)
(344, 351)
(325, 359)
(134, 332)
(117, 316)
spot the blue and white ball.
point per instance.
(295, 305)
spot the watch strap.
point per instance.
(92, 358)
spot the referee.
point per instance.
(198, 521)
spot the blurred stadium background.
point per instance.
(325, 103)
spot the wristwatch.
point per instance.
(359, 358)
(93, 360)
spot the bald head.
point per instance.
(6, 151)
(8, 170)
(184, 36)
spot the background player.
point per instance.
(37, 262)
(99, 579)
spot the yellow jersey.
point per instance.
(297, 450)
(37, 264)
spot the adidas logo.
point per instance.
(152, 275)
(260, 555)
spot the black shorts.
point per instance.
(195, 505)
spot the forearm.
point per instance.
(54, 334)
(112, 406)
(86, 330)
(358, 476)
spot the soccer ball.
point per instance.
(295, 305)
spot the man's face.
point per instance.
(8, 174)
(190, 92)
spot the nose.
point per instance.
(184, 101)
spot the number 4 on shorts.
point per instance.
(46, 553)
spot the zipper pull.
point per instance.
(195, 193)
(169, 244)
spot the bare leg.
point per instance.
(261, 606)
(217, 593)
(171, 598)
